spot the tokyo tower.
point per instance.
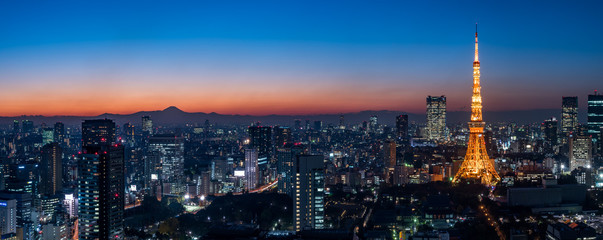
(477, 164)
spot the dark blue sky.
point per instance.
(261, 57)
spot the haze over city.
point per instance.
(89, 58)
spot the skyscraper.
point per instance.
(436, 118)
(260, 138)
(51, 169)
(569, 117)
(8, 218)
(318, 125)
(286, 156)
(25, 225)
(98, 132)
(23, 178)
(373, 124)
(47, 135)
(282, 136)
(16, 128)
(389, 158)
(59, 132)
(147, 125)
(595, 119)
(402, 126)
(27, 126)
(308, 201)
(251, 169)
(168, 149)
(549, 129)
(477, 164)
(580, 153)
(101, 184)
(129, 134)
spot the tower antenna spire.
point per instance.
(476, 52)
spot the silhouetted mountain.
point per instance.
(174, 116)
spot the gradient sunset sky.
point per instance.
(293, 57)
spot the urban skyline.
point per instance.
(216, 58)
(290, 149)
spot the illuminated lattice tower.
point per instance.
(477, 164)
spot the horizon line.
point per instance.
(264, 115)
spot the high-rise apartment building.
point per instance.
(436, 118)
(251, 169)
(569, 117)
(309, 192)
(51, 169)
(100, 182)
(286, 156)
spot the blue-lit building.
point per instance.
(595, 119)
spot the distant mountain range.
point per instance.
(175, 116)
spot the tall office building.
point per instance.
(402, 126)
(51, 169)
(23, 178)
(251, 169)
(318, 125)
(168, 149)
(595, 119)
(147, 125)
(260, 138)
(59, 132)
(27, 126)
(286, 156)
(308, 201)
(100, 182)
(436, 118)
(16, 128)
(98, 132)
(129, 134)
(25, 224)
(47, 135)
(341, 122)
(8, 218)
(70, 204)
(580, 153)
(282, 136)
(389, 153)
(373, 124)
(569, 117)
(549, 129)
